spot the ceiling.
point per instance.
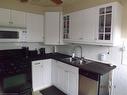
(49, 3)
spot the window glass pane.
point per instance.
(108, 20)
(108, 30)
(109, 9)
(12, 81)
(102, 10)
(107, 36)
(101, 23)
(101, 20)
(101, 36)
(101, 30)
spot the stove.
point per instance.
(15, 73)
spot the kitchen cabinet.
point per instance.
(41, 74)
(53, 28)
(17, 19)
(65, 77)
(82, 25)
(35, 23)
(12, 18)
(4, 17)
(100, 25)
(109, 24)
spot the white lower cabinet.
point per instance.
(41, 74)
(65, 77)
(51, 72)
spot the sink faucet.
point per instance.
(73, 54)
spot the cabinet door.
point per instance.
(47, 72)
(18, 18)
(66, 27)
(4, 17)
(37, 75)
(62, 78)
(41, 74)
(72, 83)
(76, 26)
(89, 24)
(105, 24)
(83, 25)
(65, 77)
(34, 27)
(73, 80)
(52, 28)
(59, 76)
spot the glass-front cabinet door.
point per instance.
(66, 20)
(105, 24)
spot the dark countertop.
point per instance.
(92, 70)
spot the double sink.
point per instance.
(77, 61)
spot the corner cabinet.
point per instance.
(65, 77)
(35, 27)
(53, 28)
(100, 25)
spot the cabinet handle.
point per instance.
(114, 86)
(10, 22)
(81, 38)
(37, 63)
(24, 31)
(87, 73)
(66, 71)
(95, 38)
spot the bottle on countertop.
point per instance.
(42, 51)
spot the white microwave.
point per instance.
(12, 35)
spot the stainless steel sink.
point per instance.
(77, 61)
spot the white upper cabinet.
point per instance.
(53, 28)
(100, 25)
(82, 25)
(12, 18)
(109, 24)
(4, 17)
(35, 27)
(18, 18)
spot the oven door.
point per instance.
(13, 85)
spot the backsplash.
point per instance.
(113, 54)
(32, 46)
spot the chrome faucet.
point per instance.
(73, 54)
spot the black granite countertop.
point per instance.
(93, 69)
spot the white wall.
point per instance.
(114, 57)
(32, 46)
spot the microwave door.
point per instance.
(9, 36)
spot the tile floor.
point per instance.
(36, 93)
